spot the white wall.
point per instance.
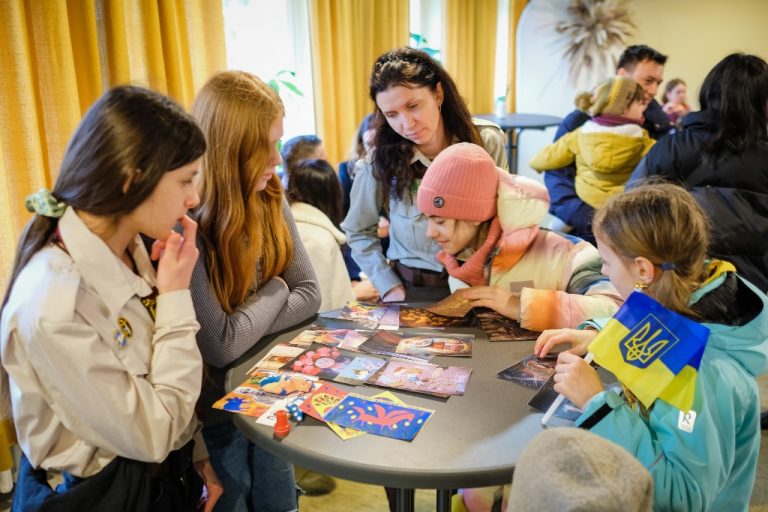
(695, 34)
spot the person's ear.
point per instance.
(645, 270)
(132, 177)
(622, 72)
(439, 96)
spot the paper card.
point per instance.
(277, 357)
(280, 383)
(530, 372)
(360, 370)
(500, 328)
(321, 361)
(364, 313)
(380, 418)
(436, 344)
(246, 399)
(418, 317)
(424, 378)
(391, 318)
(342, 338)
(326, 397)
(386, 342)
(547, 395)
(455, 305)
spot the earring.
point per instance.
(640, 286)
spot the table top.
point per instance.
(470, 441)
(519, 120)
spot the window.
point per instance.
(265, 37)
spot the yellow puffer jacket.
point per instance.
(605, 157)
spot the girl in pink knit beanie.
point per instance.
(486, 223)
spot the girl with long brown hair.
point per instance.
(253, 278)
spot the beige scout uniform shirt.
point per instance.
(82, 390)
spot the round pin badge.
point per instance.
(439, 202)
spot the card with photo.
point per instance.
(436, 343)
(423, 378)
(277, 357)
(530, 372)
(500, 328)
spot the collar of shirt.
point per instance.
(101, 269)
(418, 156)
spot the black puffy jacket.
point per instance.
(732, 188)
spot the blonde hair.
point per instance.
(664, 223)
(246, 238)
(612, 96)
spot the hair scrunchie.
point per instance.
(44, 203)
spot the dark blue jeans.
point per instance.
(254, 480)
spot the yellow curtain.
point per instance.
(346, 38)
(58, 56)
(469, 42)
(516, 8)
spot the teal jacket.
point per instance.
(707, 459)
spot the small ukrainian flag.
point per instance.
(653, 351)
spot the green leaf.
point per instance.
(286, 72)
(273, 84)
(291, 87)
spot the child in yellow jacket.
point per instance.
(606, 148)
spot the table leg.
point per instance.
(404, 502)
(510, 145)
(444, 500)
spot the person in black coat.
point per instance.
(721, 156)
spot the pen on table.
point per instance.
(559, 400)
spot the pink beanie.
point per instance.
(462, 183)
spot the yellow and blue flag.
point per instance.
(653, 351)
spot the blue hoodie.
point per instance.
(707, 459)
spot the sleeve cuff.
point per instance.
(174, 307)
(385, 280)
(598, 408)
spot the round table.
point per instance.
(472, 440)
(513, 125)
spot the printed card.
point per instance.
(424, 378)
(500, 328)
(531, 371)
(380, 418)
(277, 357)
(455, 305)
(360, 370)
(418, 317)
(321, 361)
(436, 344)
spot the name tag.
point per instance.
(686, 421)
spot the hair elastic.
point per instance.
(44, 203)
(668, 266)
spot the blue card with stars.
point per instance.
(378, 417)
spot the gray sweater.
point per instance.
(223, 338)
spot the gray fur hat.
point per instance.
(571, 469)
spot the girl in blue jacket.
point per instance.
(705, 458)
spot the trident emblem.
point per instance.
(646, 342)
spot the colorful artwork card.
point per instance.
(390, 320)
(243, 401)
(455, 305)
(531, 371)
(364, 313)
(325, 398)
(436, 343)
(360, 370)
(381, 418)
(386, 342)
(424, 378)
(343, 338)
(321, 361)
(500, 328)
(277, 357)
(417, 317)
(280, 383)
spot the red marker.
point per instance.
(282, 425)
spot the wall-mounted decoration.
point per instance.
(593, 33)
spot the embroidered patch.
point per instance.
(686, 421)
(125, 326)
(439, 202)
(120, 338)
